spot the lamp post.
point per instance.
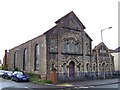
(103, 30)
(102, 48)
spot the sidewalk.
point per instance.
(91, 83)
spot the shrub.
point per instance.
(35, 78)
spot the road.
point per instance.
(11, 85)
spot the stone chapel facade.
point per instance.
(66, 47)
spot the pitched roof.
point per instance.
(75, 17)
(0, 62)
(98, 46)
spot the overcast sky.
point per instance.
(22, 20)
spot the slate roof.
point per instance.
(75, 17)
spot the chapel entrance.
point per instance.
(71, 69)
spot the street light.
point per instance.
(102, 47)
(103, 30)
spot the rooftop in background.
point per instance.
(0, 62)
(117, 49)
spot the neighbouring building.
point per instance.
(116, 54)
(66, 48)
(103, 61)
(0, 63)
(5, 59)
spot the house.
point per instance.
(5, 59)
(116, 54)
(102, 61)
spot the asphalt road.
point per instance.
(11, 85)
(111, 84)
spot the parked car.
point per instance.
(19, 76)
(7, 74)
(2, 72)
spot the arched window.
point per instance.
(107, 67)
(79, 67)
(64, 68)
(71, 45)
(25, 59)
(100, 67)
(94, 67)
(53, 45)
(87, 49)
(15, 58)
(103, 66)
(77, 47)
(37, 56)
(87, 66)
(64, 46)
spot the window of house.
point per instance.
(87, 66)
(79, 67)
(70, 45)
(94, 67)
(37, 56)
(77, 47)
(15, 58)
(64, 46)
(87, 49)
(64, 68)
(53, 45)
(107, 67)
(25, 58)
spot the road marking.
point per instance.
(28, 88)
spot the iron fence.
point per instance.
(82, 76)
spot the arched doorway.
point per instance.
(71, 69)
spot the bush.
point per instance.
(35, 78)
(16, 69)
(3, 68)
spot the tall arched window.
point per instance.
(64, 46)
(71, 45)
(77, 47)
(53, 45)
(87, 66)
(64, 68)
(37, 56)
(79, 67)
(107, 67)
(15, 58)
(87, 49)
(25, 58)
(94, 67)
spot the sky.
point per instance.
(22, 20)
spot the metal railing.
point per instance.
(82, 76)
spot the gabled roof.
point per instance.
(70, 14)
(99, 45)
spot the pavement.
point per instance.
(91, 83)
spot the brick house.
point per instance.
(102, 61)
